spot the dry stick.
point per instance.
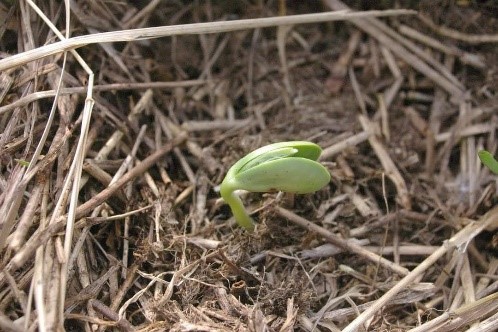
(467, 282)
(12, 201)
(193, 125)
(91, 168)
(369, 227)
(6, 81)
(171, 131)
(147, 177)
(479, 259)
(18, 294)
(8, 296)
(365, 207)
(91, 290)
(105, 87)
(20, 141)
(472, 39)
(36, 292)
(384, 118)
(459, 240)
(345, 313)
(471, 130)
(38, 285)
(140, 293)
(328, 250)
(488, 325)
(467, 58)
(78, 261)
(404, 250)
(435, 117)
(463, 120)
(143, 14)
(356, 89)
(344, 144)
(9, 326)
(128, 193)
(282, 32)
(485, 280)
(187, 29)
(290, 321)
(204, 157)
(386, 161)
(17, 238)
(340, 242)
(488, 290)
(401, 51)
(390, 93)
(75, 172)
(250, 75)
(92, 221)
(453, 319)
(339, 68)
(455, 294)
(200, 209)
(122, 323)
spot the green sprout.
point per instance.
(285, 166)
(22, 162)
(488, 160)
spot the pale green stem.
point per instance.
(237, 207)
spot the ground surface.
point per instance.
(400, 106)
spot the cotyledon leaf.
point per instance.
(277, 153)
(304, 149)
(293, 174)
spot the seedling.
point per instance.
(488, 160)
(285, 166)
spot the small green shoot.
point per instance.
(488, 160)
(22, 162)
(285, 166)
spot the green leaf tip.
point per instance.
(284, 166)
(488, 160)
(22, 162)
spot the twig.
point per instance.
(453, 319)
(467, 58)
(105, 87)
(9, 326)
(344, 144)
(447, 32)
(111, 314)
(340, 242)
(389, 166)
